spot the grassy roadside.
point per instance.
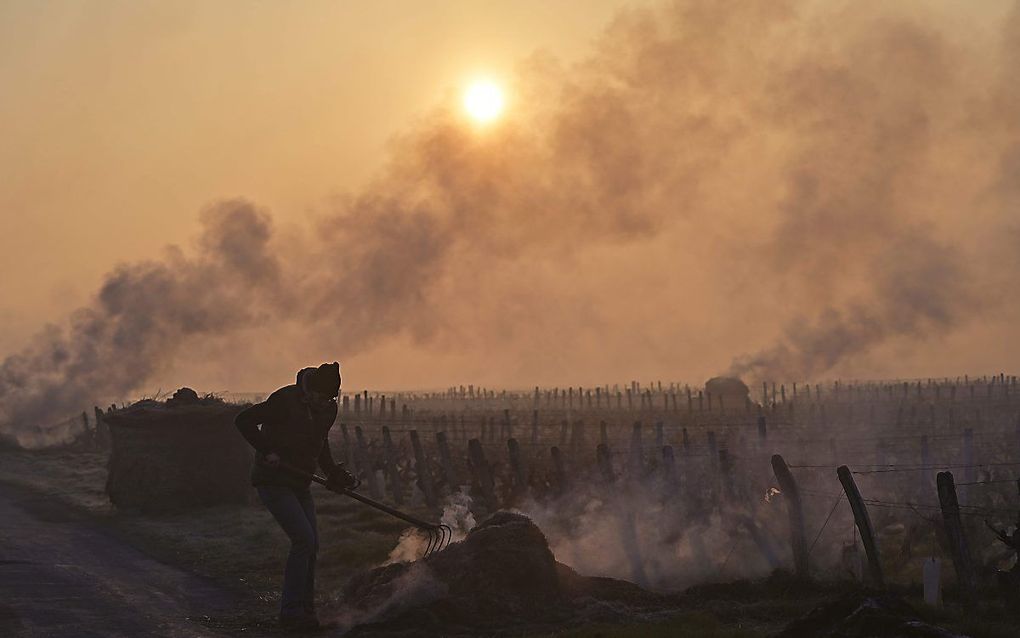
(237, 546)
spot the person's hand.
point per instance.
(272, 459)
(340, 478)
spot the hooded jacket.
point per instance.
(292, 427)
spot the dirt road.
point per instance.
(62, 574)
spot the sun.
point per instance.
(483, 101)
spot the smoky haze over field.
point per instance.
(774, 189)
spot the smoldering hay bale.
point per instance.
(179, 454)
(502, 576)
(504, 564)
(732, 388)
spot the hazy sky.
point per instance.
(788, 188)
(120, 120)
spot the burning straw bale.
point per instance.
(732, 389)
(181, 453)
(501, 578)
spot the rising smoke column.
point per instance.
(791, 179)
(851, 206)
(142, 313)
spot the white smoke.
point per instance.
(456, 515)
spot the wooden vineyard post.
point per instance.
(576, 438)
(627, 523)
(102, 431)
(686, 442)
(863, 521)
(603, 433)
(520, 477)
(421, 468)
(969, 475)
(957, 539)
(713, 449)
(89, 435)
(796, 512)
(392, 475)
(534, 427)
(926, 464)
(349, 460)
(634, 464)
(762, 431)
(508, 427)
(365, 464)
(482, 474)
(559, 471)
(669, 475)
(659, 436)
(605, 463)
(563, 433)
(447, 461)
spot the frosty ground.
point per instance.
(216, 570)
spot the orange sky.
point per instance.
(718, 224)
(120, 120)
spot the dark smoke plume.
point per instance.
(143, 313)
(792, 179)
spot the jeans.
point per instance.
(294, 510)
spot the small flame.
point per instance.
(772, 492)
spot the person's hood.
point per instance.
(301, 376)
(324, 379)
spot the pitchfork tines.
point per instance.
(437, 537)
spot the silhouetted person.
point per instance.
(295, 424)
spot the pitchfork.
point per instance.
(437, 536)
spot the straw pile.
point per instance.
(178, 454)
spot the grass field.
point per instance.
(242, 548)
